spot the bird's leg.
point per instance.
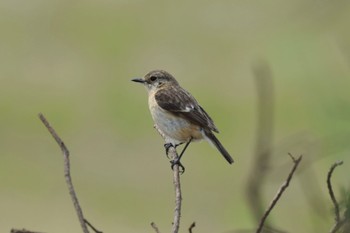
(167, 147)
(177, 161)
(183, 150)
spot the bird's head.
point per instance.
(156, 79)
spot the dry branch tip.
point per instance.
(279, 192)
(67, 174)
(154, 226)
(191, 227)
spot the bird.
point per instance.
(177, 115)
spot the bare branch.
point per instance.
(67, 172)
(154, 226)
(330, 190)
(279, 192)
(177, 186)
(191, 227)
(172, 154)
(338, 221)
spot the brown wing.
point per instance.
(182, 103)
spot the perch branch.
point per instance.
(177, 185)
(279, 192)
(66, 172)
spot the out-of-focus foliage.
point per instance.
(73, 61)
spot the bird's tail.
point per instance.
(219, 146)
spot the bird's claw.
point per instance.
(177, 162)
(167, 147)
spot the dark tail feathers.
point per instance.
(219, 146)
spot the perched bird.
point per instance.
(177, 115)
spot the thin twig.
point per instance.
(66, 172)
(92, 227)
(177, 187)
(330, 190)
(191, 227)
(279, 192)
(338, 221)
(154, 226)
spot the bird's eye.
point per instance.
(153, 78)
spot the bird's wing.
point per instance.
(182, 103)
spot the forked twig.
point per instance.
(279, 192)
(67, 174)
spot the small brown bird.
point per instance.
(177, 114)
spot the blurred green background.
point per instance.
(73, 61)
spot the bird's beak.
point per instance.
(138, 80)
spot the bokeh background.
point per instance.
(73, 61)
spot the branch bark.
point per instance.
(67, 174)
(279, 192)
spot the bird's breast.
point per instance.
(173, 126)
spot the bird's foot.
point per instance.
(177, 162)
(167, 147)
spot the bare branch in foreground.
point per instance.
(191, 227)
(67, 172)
(154, 226)
(338, 221)
(330, 190)
(279, 193)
